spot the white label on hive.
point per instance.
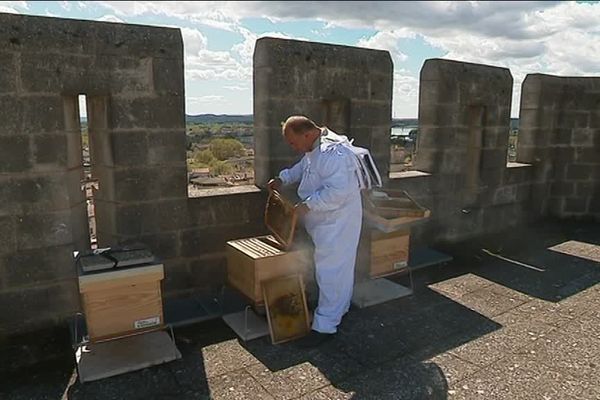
(145, 323)
(400, 264)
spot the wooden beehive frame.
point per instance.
(280, 218)
(270, 288)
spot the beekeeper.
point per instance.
(331, 209)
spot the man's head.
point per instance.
(300, 133)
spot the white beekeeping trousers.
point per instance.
(336, 243)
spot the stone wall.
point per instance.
(133, 79)
(346, 88)
(559, 134)
(464, 118)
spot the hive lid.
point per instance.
(391, 210)
(280, 218)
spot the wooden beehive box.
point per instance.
(392, 210)
(122, 302)
(388, 216)
(388, 253)
(253, 260)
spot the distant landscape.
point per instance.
(220, 148)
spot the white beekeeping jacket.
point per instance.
(368, 174)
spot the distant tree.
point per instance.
(218, 167)
(224, 149)
(204, 157)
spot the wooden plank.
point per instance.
(117, 277)
(388, 252)
(116, 311)
(246, 268)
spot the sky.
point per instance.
(559, 38)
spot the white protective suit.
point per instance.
(330, 188)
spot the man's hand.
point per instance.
(275, 184)
(301, 209)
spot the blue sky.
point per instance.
(559, 38)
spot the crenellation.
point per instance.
(133, 79)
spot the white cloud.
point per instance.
(388, 40)
(237, 88)
(13, 7)
(66, 5)
(406, 94)
(205, 99)
(110, 18)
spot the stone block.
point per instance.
(36, 34)
(177, 277)
(202, 241)
(173, 214)
(506, 194)
(8, 240)
(228, 210)
(587, 155)
(143, 41)
(594, 205)
(50, 150)
(144, 184)
(563, 189)
(453, 161)
(136, 219)
(494, 138)
(517, 175)
(582, 119)
(35, 194)
(366, 114)
(575, 205)
(490, 178)
(55, 72)
(37, 306)
(15, 154)
(561, 136)
(40, 266)
(331, 83)
(166, 112)
(168, 76)
(563, 155)
(43, 114)
(557, 172)
(11, 109)
(162, 245)
(584, 189)
(529, 119)
(438, 92)
(8, 72)
(565, 119)
(129, 148)
(43, 230)
(209, 271)
(167, 147)
(442, 138)
(493, 158)
(440, 116)
(579, 172)
(582, 137)
(429, 160)
(523, 193)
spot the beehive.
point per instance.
(122, 302)
(253, 260)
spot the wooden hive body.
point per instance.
(122, 302)
(253, 260)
